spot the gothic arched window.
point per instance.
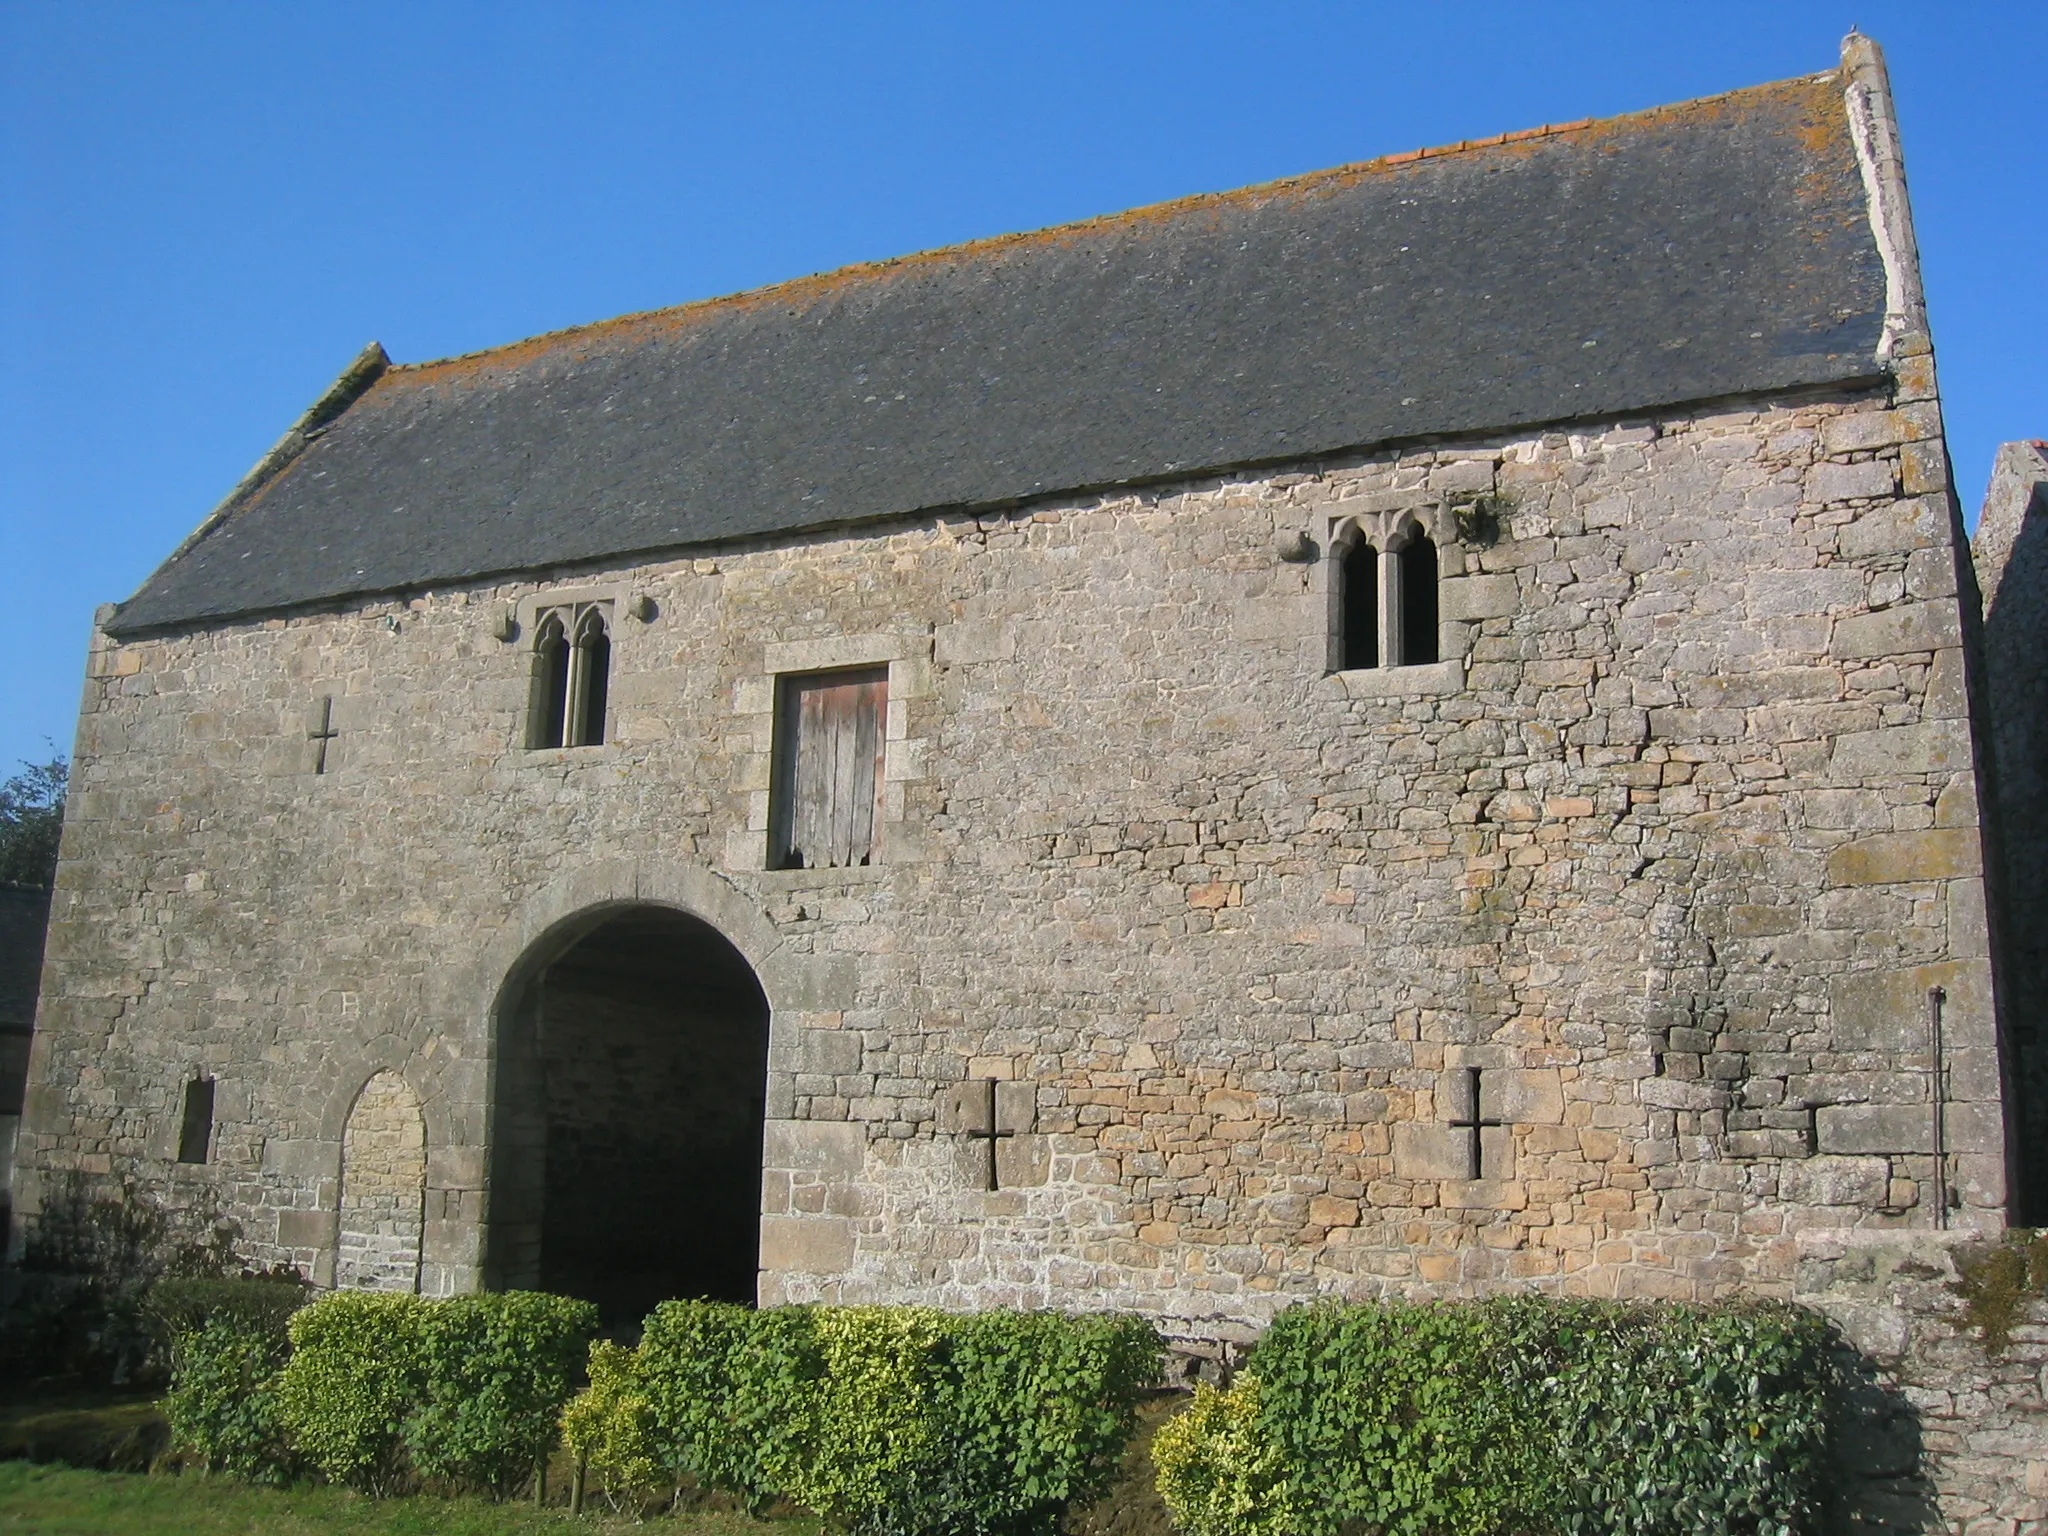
(1359, 614)
(572, 662)
(1413, 612)
(1385, 610)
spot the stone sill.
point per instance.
(1432, 677)
(818, 879)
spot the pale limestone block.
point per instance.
(1935, 854)
(806, 1245)
(1896, 631)
(1525, 1095)
(1869, 480)
(1933, 746)
(969, 643)
(1891, 528)
(1861, 1129)
(1887, 1010)
(1829, 1180)
(1861, 431)
(1431, 1152)
(1429, 678)
(829, 1149)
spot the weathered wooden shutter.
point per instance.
(828, 778)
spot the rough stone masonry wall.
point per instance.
(1672, 846)
(2011, 553)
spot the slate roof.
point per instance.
(1713, 248)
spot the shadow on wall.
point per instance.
(2010, 551)
(1878, 1480)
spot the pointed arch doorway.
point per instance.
(627, 1120)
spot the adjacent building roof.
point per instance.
(1718, 247)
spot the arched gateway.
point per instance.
(628, 1104)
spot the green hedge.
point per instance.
(222, 1405)
(373, 1388)
(1518, 1414)
(885, 1420)
(498, 1369)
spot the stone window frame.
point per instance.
(1387, 522)
(613, 600)
(908, 658)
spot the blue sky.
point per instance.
(207, 209)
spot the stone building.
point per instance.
(1404, 731)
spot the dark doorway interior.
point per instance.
(631, 1095)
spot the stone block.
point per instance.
(1524, 1096)
(1891, 528)
(1856, 1130)
(806, 1245)
(1896, 631)
(969, 643)
(1863, 431)
(1887, 1010)
(1932, 746)
(1469, 598)
(1835, 1181)
(1868, 481)
(1431, 1152)
(305, 1229)
(1436, 677)
(833, 1149)
(829, 1051)
(1897, 857)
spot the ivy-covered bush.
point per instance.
(496, 1369)
(895, 1419)
(222, 1405)
(356, 1373)
(1519, 1414)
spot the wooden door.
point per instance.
(826, 801)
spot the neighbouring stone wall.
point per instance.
(2011, 551)
(1940, 1433)
(383, 1188)
(1671, 845)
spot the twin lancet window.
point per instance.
(1386, 600)
(572, 663)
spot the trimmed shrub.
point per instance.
(609, 1428)
(222, 1405)
(497, 1369)
(1035, 1410)
(260, 1303)
(1518, 1414)
(890, 1420)
(720, 1380)
(1218, 1473)
(357, 1370)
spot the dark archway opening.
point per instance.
(626, 1149)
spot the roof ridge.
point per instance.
(1299, 182)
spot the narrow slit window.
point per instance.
(1418, 615)
(826, 797)
(195, 1128)
(572, 663)
(1359, 616)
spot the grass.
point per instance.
(67, 1501)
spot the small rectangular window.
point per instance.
(195, 1133)
(825, 803)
